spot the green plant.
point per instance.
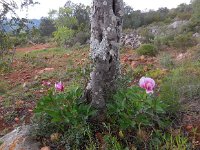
(63, 35)
(112, 143)
(62, 113)
(166, 60)
(1, 142)
(4, 87)
(160, 42)
(81, 37)
(183, 41)
(148, 36)
(182, 85)
(64, 107)
(147, 49)
(34, 60)
(132, 107)
(168, 141)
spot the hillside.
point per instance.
(31, 23)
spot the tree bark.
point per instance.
(106, 27)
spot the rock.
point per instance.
(19, 139)
(182, 56)
(142, 57)
(55, 137)
(196, 35)
(133, 40)
(178, 24)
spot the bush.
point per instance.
(147, 49)
(63, 122)
(132, 108)
(62, 113)
(63, 36)
(81, 37)
(184, 41)
(146, 34)
(182, 85)
(160, 42)
(166, 60)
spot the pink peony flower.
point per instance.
(59, 86)
(148, 84)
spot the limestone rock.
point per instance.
(178, 24)
(134, 40)
(19, 139)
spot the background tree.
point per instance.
(75, 20)
(106, 26)
(47, 27)
(15, 23)
(196, 11)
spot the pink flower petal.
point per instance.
(59, 86)
(148, 84)
(142, 82)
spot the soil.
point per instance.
(35, 47)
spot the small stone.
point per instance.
(142, 57)
(36, 77)
(55, 137)
(45, 148)
(24, 85)
(17, 120)
(189, 127)
(30, 110)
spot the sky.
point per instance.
(37, 11)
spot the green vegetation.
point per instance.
(166, 60)
(131, 112)
(147, 49)
(183, 83)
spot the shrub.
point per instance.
(146, 34)
(160, 42)
(166, 60)
(183, 41)
(63, 122)
(147, 49)
(63, 114)
(63, 36)
(81, 37)
(132, 107)
(182, 85)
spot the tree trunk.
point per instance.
(106, 26)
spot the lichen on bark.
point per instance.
(106, 26)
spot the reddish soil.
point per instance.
(35, 47)
(19, 111)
